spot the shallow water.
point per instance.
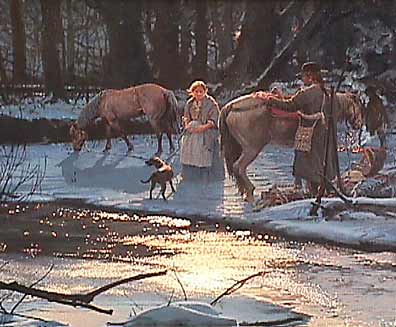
(91, 247)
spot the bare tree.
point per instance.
(165, 39)
(70, 44)
(18, 40)
(256, 43)
(126, 63)
(16, 172)
(52, 39)
(200, 66)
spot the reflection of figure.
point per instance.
(376, 116)
(312, 102)
(200, 149)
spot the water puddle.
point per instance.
(90, 247)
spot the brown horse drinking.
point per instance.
(246, 126)
(114, 107)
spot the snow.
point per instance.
(39, 107)
(113, 180)
(180, 314)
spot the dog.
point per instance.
(162, 175)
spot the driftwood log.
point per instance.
(76, 300)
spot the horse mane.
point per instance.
(90, 112)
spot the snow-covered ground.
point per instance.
(113, 180)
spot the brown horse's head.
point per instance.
(78, 136)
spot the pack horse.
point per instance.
(114, 107)
(247, 125)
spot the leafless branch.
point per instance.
(181, 285)
(34, 284)
(75, 300)
(17, 172)
(236, 286)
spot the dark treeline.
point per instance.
(120, 43)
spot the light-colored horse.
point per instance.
(246, 126)
(115, 107)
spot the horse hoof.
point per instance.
(249, 199)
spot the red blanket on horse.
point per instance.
(283, 114)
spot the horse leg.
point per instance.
(159, 149)
(382, 137)
(108, 138)
(116, 127)
(171, 146)
(239, 181)
(242, 163)
(128, 143)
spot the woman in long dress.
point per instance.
(200, 155)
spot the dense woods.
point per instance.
(228, 43)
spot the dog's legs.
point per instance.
(172, 187)
(152, 188)
(163, 189)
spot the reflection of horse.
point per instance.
(116, 172)
(246, 126)
(114, 107)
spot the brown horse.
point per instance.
(114, 107)
(246, 126)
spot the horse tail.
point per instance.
(145, 182)
(230, 147)
(171, 113)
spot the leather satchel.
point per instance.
(303, 138)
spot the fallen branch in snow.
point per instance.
(75, 300)
(181, 285)
(272, 263)
(236, 286)
(34, 284)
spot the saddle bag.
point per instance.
(303, 137)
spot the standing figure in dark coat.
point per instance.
(313, 105)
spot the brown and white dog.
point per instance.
(162, 175)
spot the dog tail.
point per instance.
(145, 182)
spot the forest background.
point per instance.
(233, 45)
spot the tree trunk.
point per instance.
(200, 68)
(127, 63)
(225, 31)
(166, 44)
(70, 45)
(185, 50)
(339, 37)
(18, 41)
(3, 75)
(312, 24)
(52, 35)
(256, 43)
